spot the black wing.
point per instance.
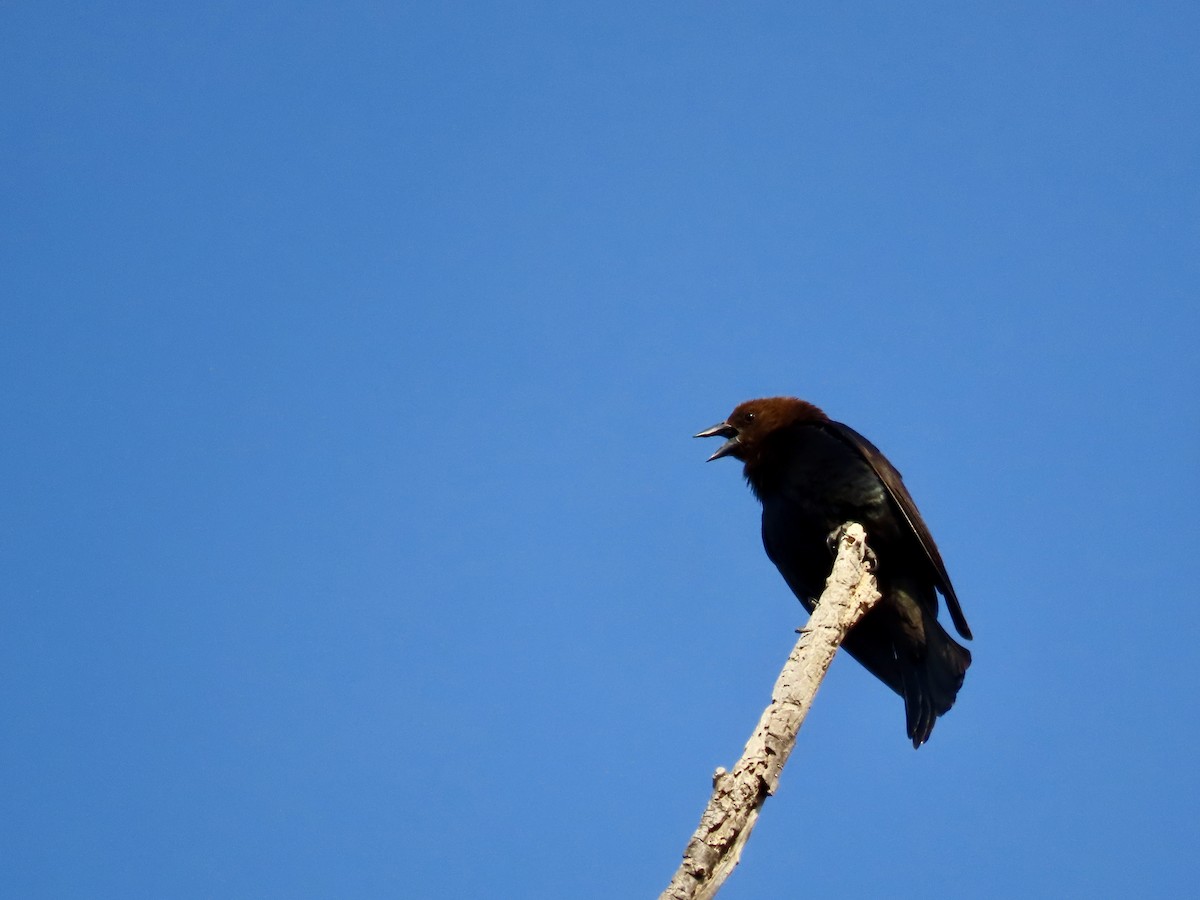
(904, 502)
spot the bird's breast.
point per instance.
(815, 484)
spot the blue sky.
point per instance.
(355, 544)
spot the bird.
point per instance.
(812, 475)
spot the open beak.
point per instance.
(725, 430)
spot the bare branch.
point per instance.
(737, 796)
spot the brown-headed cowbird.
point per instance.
(812, 475)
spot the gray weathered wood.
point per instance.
(737, 796)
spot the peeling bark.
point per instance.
(737, 796)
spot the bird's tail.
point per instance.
(930, 684)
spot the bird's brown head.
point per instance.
(750, 423)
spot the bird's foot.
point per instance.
(870, 562)
(834, 538)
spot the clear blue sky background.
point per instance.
(354, 543)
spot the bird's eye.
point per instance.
(749, 417)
